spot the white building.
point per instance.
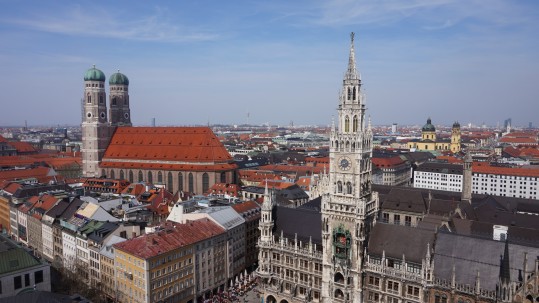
(505, 181)
(439, 176)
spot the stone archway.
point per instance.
(271, 299)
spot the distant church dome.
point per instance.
(456, 125)
(428, 127)
(118, 79)
(94, 74)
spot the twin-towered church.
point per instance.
(188, 159)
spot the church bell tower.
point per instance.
(350, 206)
(95, 127)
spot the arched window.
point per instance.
(169, 181)
(159, 177)
(191, 183)
(356, 123)
(131, 176)
(353, 146)
(223, 177)
(337, 145)
(339, 187)
(89, 99)
(346, 124)
(122, 176)
(347, 145)
(354, 94)
(150, 177)
(103, 173)
(180, 181)
(349, 93)
(113, 100)
(205, 183)
(339, 278)
(140, 177)
(112, 176)
(100, 99)
(349, 188)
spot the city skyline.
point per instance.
(198, 63)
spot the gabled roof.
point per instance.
(304, 222)
(173, 236)
(22, 147)
(172, 147)
(468, 255)
(398, 240)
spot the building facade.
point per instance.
(439, 176)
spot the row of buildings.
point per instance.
(112, 244)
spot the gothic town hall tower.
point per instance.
(350, 206)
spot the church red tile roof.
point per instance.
(172, 148)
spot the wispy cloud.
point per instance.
(155, 27)
(430, 14)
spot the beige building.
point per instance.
(430, 142)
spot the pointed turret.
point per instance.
(351, 72)
(268, 199)
(505, 275)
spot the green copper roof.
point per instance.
(428, 127)
(94, 74)
(16, 259)
(118, 79)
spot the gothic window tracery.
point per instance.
(349, 94)
(355, 123)
(354, 94)
(346, 124)
(348, 188)
(339, 187)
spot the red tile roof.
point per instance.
(304, 182)
(521, 140)
(387, 162)
(174, 148)
(292, 168)
(484, 168)
(245, 206)
(40, 173)
(173, 236)
(275, 184)
(23, 147)
(225, 188)
(11, 187)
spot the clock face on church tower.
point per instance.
(344, 163)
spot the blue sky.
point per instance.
(194, 62)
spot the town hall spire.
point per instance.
(351, 72)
